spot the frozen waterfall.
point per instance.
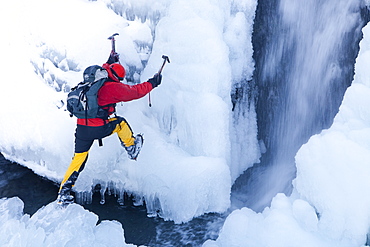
(304, 54)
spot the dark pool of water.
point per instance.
(36, 191)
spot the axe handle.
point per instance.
(160, 70)
(113, 45)
(113, 42)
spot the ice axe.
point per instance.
(113, 41)
(165, 59)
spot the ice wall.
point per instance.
(184, 169)
(245, 150)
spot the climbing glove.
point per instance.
(155, 80)
(113, 58)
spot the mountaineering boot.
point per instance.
(64, 195)
(134, 150)
(65, 199)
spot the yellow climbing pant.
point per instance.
(78, 160)
(85, 136)
(124, 133)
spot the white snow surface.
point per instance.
(185, 168)
(55, 226)
(330, 203)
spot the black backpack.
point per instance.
(82, 101)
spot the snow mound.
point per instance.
(55, 226)
(287, 222)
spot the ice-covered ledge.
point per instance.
(54, 226)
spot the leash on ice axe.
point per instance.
(165, 60)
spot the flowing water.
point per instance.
(305, 53)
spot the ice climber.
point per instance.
(90, 129)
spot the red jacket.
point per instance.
(112, 92)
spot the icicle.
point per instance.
(153, 206)
(138, 200)
(83, 197)
(103, 188)
(121, 197)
